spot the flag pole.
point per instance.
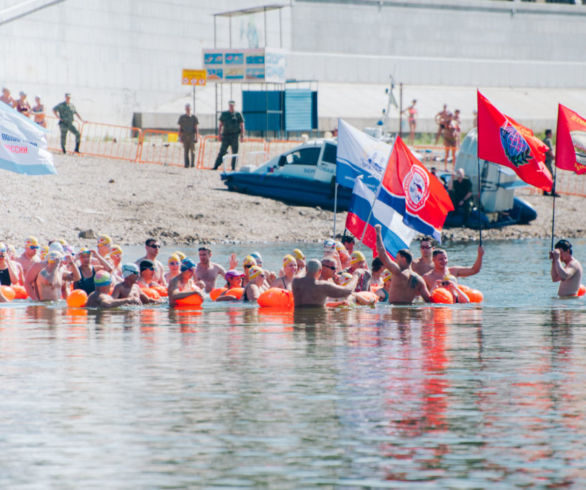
(479, 198)
(371, 208)
(553, 193)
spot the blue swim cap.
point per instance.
(187, 264)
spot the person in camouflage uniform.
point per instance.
(188, 134)
(65, 112)
(231, 127)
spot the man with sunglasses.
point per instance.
(424, 264)
(207, 271)
(29, 257)
(152, 248)
(328, 269)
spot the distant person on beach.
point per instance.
(188, 135)
(152, 248)
(22, 105)
(424, 263)
(38, 112)
(206, 270)
(183, 285)
(457, 124)
(101, 298)
(311, 291)
(441, 269)
(65, 111)
(460, 190)
(412, 120)
(406, 284)
(7, 98)
(565, 269)
(441, 120)
(231, 128)
(450, 134)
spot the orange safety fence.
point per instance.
(276, 147)
(570, 183)
(162, 147)
(250, 151)
(109, 140)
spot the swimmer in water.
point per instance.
(30, 255)
(424, 263)
(49, 282)
(248, 263)
(328, 269)
(311, 291)
(207, 271)
(8, 271)
(359, 267)
(183, 285)
(289, 272)
(255, 286)
(152, 248)
(441, 269)
(174, 263)
(300, 259)
(233, 280)
(128, 289)
(115, 259)
(101, 298)
(565, 269)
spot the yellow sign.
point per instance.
(194, 77)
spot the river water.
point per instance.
(470, 396)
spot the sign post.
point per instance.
(194, 78)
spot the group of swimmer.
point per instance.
(342, 275)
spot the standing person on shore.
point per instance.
(230, 129)
(65, 112)
(565, 269)
(412, 120)
(38, 112)
(22, 105)
(7, 98)
(188, 135)
(457, 124)
(440, 120)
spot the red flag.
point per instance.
(570, 146)
(503, 140)
(410, 189)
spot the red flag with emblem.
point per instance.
(503, 140)
(570, 146)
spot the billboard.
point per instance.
(245, 65)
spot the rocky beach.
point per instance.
(131, 202)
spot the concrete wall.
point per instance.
(440, 42)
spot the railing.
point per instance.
(162, 148)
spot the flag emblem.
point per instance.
(579, 142)
(516, 148)
(416, 187)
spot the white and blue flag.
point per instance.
(23, 144)
(360, 154)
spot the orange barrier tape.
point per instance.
(162, 147)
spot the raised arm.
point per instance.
(382, 252)
(469, 271)
(558, 271)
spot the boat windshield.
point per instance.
(304, 156)
(330, 153)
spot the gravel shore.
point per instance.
(131, 202)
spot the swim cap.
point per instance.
(146, 264)
(187, 264)
(102, 278)
(257, 256)
(298, 254)
(68, 249)
(357, 257)
(174, 258)
(129, 270)
(249, 260)
(62, 241)
(254, 272)
(56, 246)
(289, 259)
(44, 252)
(387, 275)
(179, 254)
(104, 240)
(340, 247)
(54, 256)
(449, 277)
(233, 273)
(345, 278)
(3, 247)
(116, 250)
(31, 241)
(329, 244)
(84, 250)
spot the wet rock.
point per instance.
(90, 234)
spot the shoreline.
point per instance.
(131, 202)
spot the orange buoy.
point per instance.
(276, 298)
(236, 292)
(442, 295)
(151, 293)
(77, 298)
(8, 292)
(582, 290)
(214, 293)
(193, 300)
(365, 298)
(474, 295)
(19, 292)
(161, 290)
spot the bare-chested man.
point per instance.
(441, 269)
(328, 268)
(207, 271)
(152, 250)
(441, 119)
(424, 264)
(311, 291)
(29, 256)
(182, 286)
(565, 269)
(101, 298)
(128, 287)
(406, 285)
(49, 282)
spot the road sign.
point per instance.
(194, 77)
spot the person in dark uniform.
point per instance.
(65, 112)
(188, 134)
(231, 127)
